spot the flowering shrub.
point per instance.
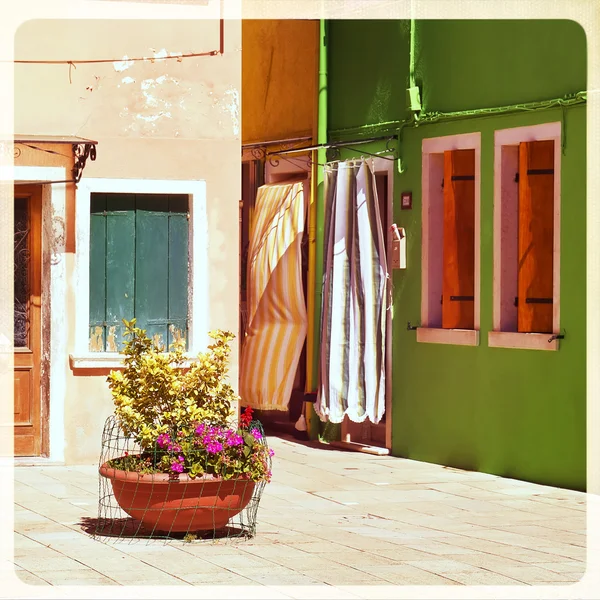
(180, 415)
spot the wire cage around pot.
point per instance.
(136, 504)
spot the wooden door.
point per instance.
(27, 320)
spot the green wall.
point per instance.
(477, 64)
(511, 412)
(367, 71)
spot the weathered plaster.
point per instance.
(197, 146)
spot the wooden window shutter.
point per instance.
(112, 236)
(138, 267)
(458, 287)
(178, 267)
(536, 237)
(161, 266)
(120, 272)
(97, 273)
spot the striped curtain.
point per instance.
(353, 320)
(276, 317)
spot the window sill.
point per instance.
(106, 360)
(523, 341)
(458, 337)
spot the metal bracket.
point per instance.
(557, 336)
(410, 327)
(332, 154)
(82, 152)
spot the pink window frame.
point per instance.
(431, 330)
(506, 153)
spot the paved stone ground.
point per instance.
(329, 517)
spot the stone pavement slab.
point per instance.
(330, 518)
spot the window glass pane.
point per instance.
(21, 258)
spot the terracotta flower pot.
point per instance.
(181, 505)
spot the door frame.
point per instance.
(54, 325)
(277, 172)
(382, 165)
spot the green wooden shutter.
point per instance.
(138, 267)
(120, 267)
(152, 266)
(97, 272)
(178, 266)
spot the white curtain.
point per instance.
(353, 319)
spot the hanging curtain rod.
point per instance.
(389, 138)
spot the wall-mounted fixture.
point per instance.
(406, 200)
(398, 247)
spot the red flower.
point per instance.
(246, 418)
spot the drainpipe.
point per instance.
(413, 95)
(318, 175)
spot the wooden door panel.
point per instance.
(27, 319)
(22, 397)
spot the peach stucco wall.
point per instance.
(161, 120)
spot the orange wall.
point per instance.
(279, 78)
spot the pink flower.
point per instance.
(256, 433)
(214, 447)
(233, 439)
(163, 439)
(177, 464)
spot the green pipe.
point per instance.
(320, 210)
(435, 117)
(570, 100)
(428, 118)
(411, 73)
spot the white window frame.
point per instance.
(506, 164)
(430, 330)
(198, 291)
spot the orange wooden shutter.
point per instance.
(458, 289)
(536, 236)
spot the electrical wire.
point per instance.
(178, 57)
(73, 63)
(434, 117)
